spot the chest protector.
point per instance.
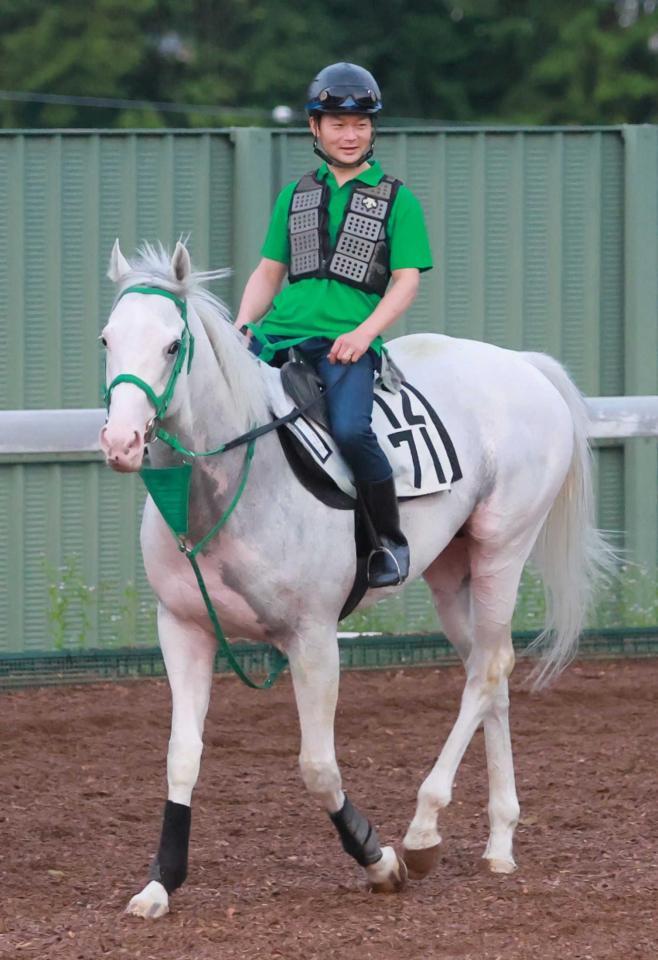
(360, 257)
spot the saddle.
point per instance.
(409, 430)
(302, 384)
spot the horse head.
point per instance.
(146, 340)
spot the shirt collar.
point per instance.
(371, 176)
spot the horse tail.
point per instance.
(571, 555)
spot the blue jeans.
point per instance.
(349, 401)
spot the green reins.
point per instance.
(169, 487)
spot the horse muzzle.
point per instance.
(123, 447)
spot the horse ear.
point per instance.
(180, 262)
(119, 266)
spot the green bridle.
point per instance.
(160, 403)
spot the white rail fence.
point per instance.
(30, 433)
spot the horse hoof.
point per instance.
(391, 877)
(151, 903)
(501, 866)
(420, 862)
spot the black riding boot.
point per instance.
(388, 563)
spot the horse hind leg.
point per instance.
(449, 581)
(465, 599)
(494, 653)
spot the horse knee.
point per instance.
(183, 763)
(489, 670)
(322, 780)
(502, 664)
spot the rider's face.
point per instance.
(346, 137)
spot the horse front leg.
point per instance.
(189, 654)
(315, 668)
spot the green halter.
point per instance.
(169, 487)
(186, 348)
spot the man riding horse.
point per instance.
(340, 234)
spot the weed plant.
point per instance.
(112, 615)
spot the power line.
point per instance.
(112, 103)
(256, 113)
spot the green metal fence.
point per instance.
(543, 240)
(22, 670)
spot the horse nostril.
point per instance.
(135, 441)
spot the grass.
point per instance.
(76, 608)
(106, 615)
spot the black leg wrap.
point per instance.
(170, 864)
(357, 834)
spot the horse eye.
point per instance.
(103, 341)
(174, 348)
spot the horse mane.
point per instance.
(152, 267)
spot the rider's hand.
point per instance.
(350, 347)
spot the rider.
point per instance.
(340, 233)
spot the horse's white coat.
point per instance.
(283, 566)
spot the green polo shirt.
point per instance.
(328, 308)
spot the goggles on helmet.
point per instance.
(348, 98)
(337, 96)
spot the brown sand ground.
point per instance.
(84, 782)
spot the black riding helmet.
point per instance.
(344, 88)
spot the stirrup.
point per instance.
(386, 578)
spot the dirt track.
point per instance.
(83, 786)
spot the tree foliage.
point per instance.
(455, 61)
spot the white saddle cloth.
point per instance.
(408, 430)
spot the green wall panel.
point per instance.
(39, 532)
(79, 270)
(12, 558)
(610, 494)
(220, 215)
(611, 329)
(541, 281)
(542, 240)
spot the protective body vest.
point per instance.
(360, 256)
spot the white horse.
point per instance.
(283, 565)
